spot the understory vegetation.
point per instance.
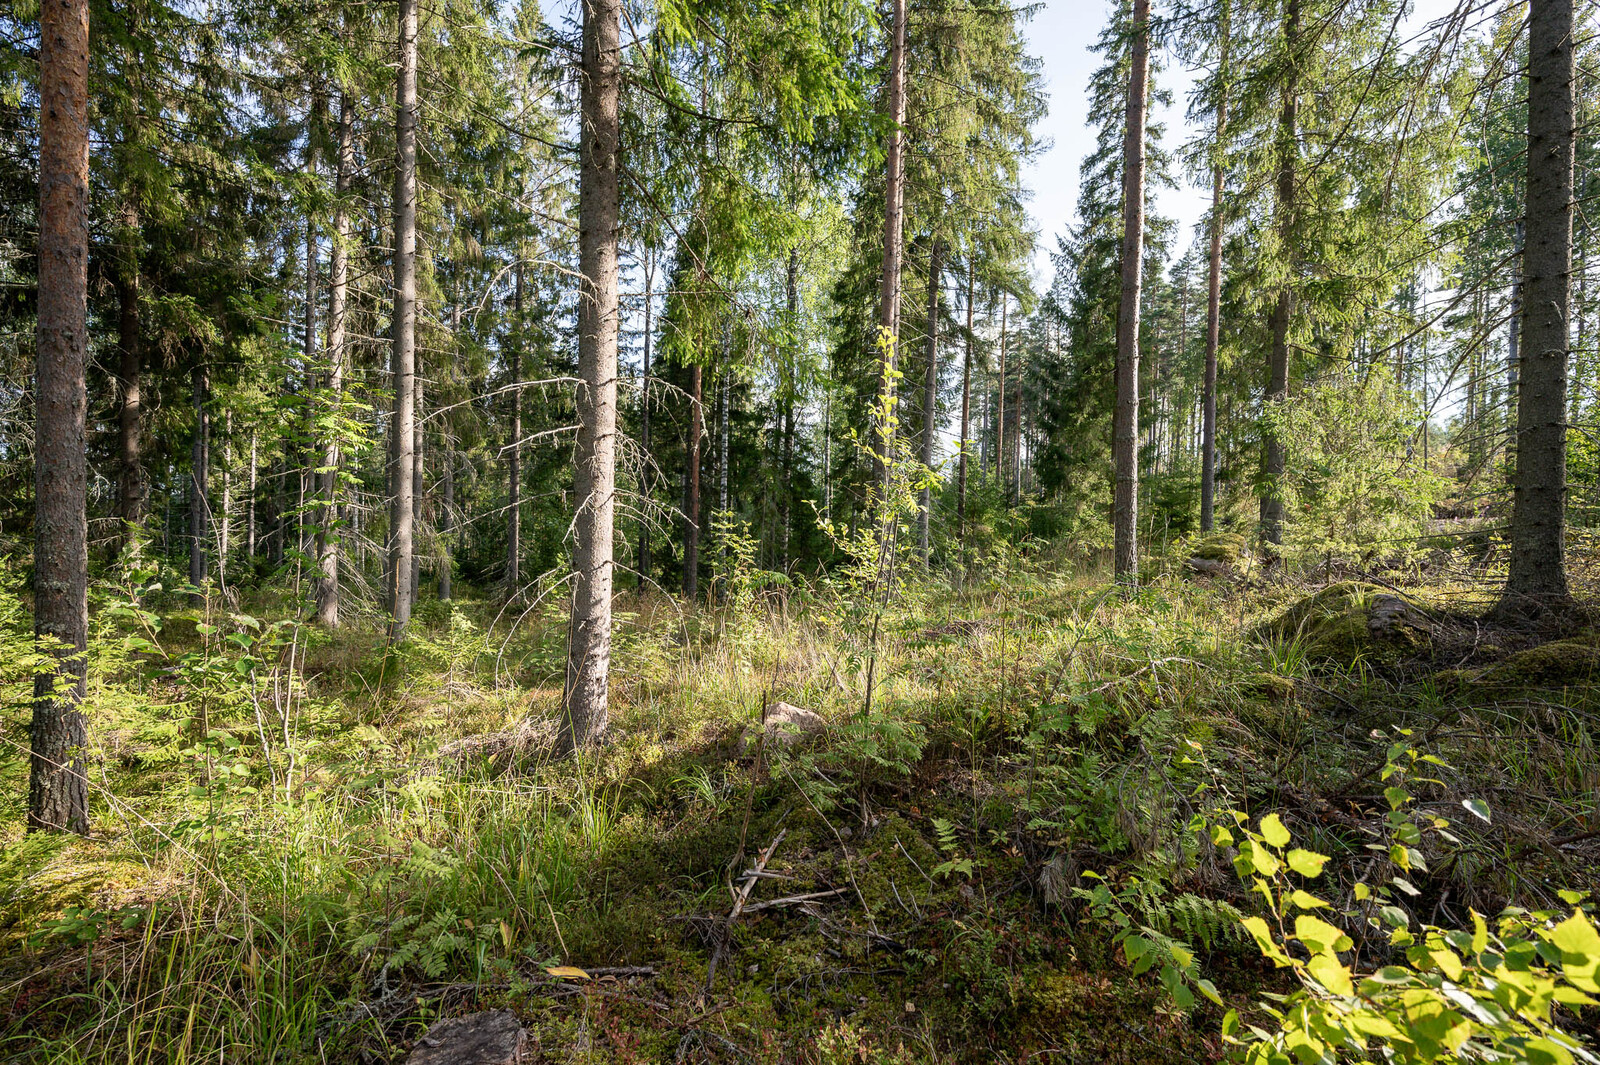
(1058, 829)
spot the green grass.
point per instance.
(283, 869)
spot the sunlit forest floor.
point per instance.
(308, 846)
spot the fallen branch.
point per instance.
(740, 898)
(792, 900)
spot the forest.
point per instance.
(609, 532)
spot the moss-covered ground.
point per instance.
(297, 858)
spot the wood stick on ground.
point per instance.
(740, 898)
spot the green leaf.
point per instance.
(1305, 900)
(1397, 797)
(1273, 832)
(1477, 808)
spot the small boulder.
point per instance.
(1219, 547)
(787, 725)
(1560, 664)
(500, 752)
(494, 1037)
(1353, 620)
(1209, 567)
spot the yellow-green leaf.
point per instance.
(1306, 863)
(1331, 974)
(566, 972)
(1273, 832)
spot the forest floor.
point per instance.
(309, 846)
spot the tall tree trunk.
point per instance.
(966, 413)
(447, 507)
(58, 792)
(418, 489)
(132, 486)
(584, 703)
(1208, 413)
(514, 465)
(893, 223)
(646, 467)
(199, 500)
(338, 295)
(691, 494)
(403, 367)
(225, 526)
(786, 426)
(1274, 458)
(930, 399)
(1537, 580)
(1125, 431)
(1000, 400)
(250, 503)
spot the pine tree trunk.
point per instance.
(1537, 580)
(1274, 458)
(1000, 401)
(930, 399)
(585, 700)
(57, 781)
(1125, 430)
(225, 525)
(447, 506)
(1208, 413)
(691, 494)
(966, 415)
(338, 295)
(250, 502)
(646, 467)
(132, 487)
(786, 421)
(893, 223)
(403, 366)
(418, 489)
(514, 464)
(199, 500)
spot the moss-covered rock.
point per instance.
(1351, 621)
(1559, 664)
(1219, 547)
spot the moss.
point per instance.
(1552, 665)
(1270, 686)
(1219, 547)
(1351, 621)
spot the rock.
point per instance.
(495, 1037)
(1352, 620)
(500, 751)
(788, 725)
(1219, 547)
(1559, 664)
(1209, 567)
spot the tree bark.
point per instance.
(786, 426)
(132, 485)
(403, 366)
(338, 289)
(199, 499)
(1274, 458)
(893, 224)
(585, 700)
(645, 466)
(1208, 412)
(930, 399)
(966, 414)
(691, 493)
(1537, 580)
(1125, 431)
(58, 798)
(514, 463)
(1000, 400)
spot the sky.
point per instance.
(1061, 35)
